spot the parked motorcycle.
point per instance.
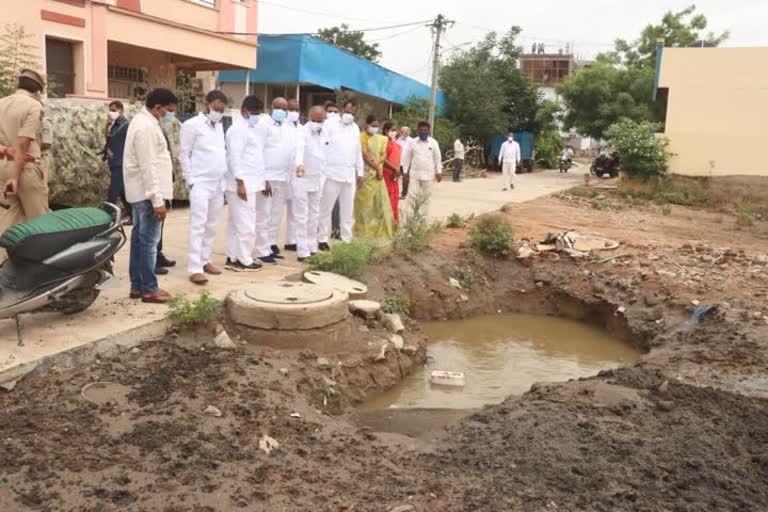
(58, 261)
(605, 163)
(565, 163)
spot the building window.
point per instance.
(60, 65)
(125, 74)
(207, 3)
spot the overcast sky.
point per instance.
(590, 26)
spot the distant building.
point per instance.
(121, 48)
(716, 109)
(548, 70)
(311, 70)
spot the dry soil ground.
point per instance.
(685, 430)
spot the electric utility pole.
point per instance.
(440, 24)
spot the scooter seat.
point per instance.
(49, 234)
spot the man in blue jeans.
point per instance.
(148, 176)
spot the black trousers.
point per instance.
(457, 166)
(116, 191)
(406, 182)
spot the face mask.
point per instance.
(253, 120)
(279, 115)
(373, 130)
(215, 116)
(114, 115)
(423, 136)
(168, 117)
(511, 139)
(393, 135)
(316, 126)
(348, 118)
(293, 116)
(333, 115)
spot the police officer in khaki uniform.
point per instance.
(23, 178)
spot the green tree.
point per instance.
(619, 85)
(16, 53)
(487, 93)
(681, 28)
(351, 40)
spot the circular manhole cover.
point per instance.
(289, 293)
(355, 289)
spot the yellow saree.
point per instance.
(373, 211)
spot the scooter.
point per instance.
(58, 261)
(605, 163)
(565, 164)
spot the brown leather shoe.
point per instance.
(212, 269)
(198, 279)
(135, 295)
(158, 297)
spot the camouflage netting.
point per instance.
(78, 176)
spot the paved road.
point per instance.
(115, 321)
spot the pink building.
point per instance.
(117, 48)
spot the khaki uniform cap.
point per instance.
(33, 75)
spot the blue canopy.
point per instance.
(307, 60)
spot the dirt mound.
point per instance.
(626, 440)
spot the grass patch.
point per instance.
(585, 192)
(493, 236)
(454, 221)
(186, 313)
(347, 258)
(399, 305)
(666, 210)
(745, 217)
(416, 231)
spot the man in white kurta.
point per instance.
(311, 160)
(203, 158)
(277, 138)
(294, 118)
(244, 183)
(509, 157)
(424, 164)
(342, 173)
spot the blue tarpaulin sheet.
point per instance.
(525, 139)
(308, 60)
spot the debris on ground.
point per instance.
(364, 308)
(268, 444)
(213, 411)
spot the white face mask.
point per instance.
(347, 118)
(215, 116)
(373, 130)
(293, 116)
(393, 135)
(315, 126)
(333, 115)
(114, 115)
(511, 139)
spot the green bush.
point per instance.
(185, 312)
(454, 221)
(585, 192)
(493, 236)
(416, 230)
(643, 155)
(745, 217)
(548, 146)
(399, 305)
(346, 258)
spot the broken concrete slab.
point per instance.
(364, 308)
(393, 322)
(355, 289)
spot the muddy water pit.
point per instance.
(502, 355)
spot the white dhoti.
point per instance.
(241, 227)
(280, 195)
(305, 198)
(345, 194)
(508, 170)
(206, 199)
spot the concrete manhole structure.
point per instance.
(354, 289)
(288, 306)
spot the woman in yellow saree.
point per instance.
(373, 210)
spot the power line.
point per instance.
(317, 13)
(375, 29)
(410, 30)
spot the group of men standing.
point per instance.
(268, 167)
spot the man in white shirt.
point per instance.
(203, 158)
(311, 159)
(405, 142)
(148, 179)
(458, 160)
(294, 118)
(509, 158)
(342, 173)
(244, 182)
(277, 138)
(424, 164)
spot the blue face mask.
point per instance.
(279, 115)
(253, 120)
(167, 117)
(423, 136)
